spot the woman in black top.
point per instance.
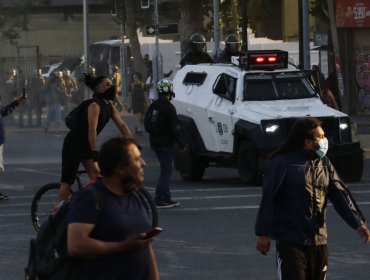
(139, 99)
(80, 144)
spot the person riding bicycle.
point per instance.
(80, 144)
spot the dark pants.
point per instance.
(165, 157)
(299, 262)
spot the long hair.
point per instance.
(301, 130)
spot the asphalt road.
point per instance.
(210, 236)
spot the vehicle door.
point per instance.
(220, 111)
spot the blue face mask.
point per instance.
(323, 147)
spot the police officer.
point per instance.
(71, 88)
(36, 100)
(232, 48)
(198, 51)
(117, 81)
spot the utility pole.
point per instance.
(337, 62)
(86, 44)
(244, 25)
(123, 56)
(216, 29)
(158, 67)
(304, 36)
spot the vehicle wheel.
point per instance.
(43, 203)
(192, 167)
(247, 161)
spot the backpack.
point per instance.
(152, 119)
(78, 114)
(48, 256)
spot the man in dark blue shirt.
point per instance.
(109, 242)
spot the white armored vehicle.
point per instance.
(235, 115)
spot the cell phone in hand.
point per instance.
(153, 232)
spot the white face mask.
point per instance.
(323, 147)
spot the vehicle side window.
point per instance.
(225, 87)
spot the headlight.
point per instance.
(345, 130)
(271, 128)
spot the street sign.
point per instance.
(170, 28)
(150, 29)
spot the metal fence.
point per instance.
(27, 64)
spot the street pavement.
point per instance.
(209, 237)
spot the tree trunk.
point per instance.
(139, 65)
(190, 22)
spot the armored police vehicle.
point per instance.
(235, 115)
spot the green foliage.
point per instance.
(15, 19)
(319, 9)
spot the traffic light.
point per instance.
(145, 4)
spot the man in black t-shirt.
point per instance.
(109, 242)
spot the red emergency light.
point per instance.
(265, 60)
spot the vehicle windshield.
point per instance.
(99, 52)
(276, 86)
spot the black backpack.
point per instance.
(48, 256)
(152, 118)
(79, 114)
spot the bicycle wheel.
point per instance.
(43, 202)
(148, 202)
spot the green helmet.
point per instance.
(165, 86)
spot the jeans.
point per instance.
(165, 157)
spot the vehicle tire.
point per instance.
(43, 203)
(147, 200)
(247, 163)
(194, 166)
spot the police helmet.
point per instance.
(198, 42)
(232, 43)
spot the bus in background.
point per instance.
(105, 55)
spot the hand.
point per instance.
(137, 242)
(263, 244)
(364, 233)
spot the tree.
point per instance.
(130, 13)
(190, 22)
(13, 20)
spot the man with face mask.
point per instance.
(80, 144)
(296, 188)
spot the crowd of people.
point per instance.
(110, 243)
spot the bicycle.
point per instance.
(46, 199)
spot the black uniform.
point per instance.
(169, 129)
(225, 56)
(192, 57)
